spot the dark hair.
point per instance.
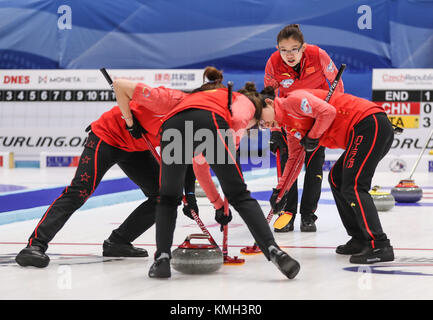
(291, 31)
(250, 91)
(268, 92)
(212, 79)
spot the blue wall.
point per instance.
(236, 36)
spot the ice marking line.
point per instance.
(233, 245)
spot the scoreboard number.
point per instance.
(56, 95)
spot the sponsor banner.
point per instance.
(33, 141)
(23, 79)
(407, 97)
(402, 79)
(59, 159)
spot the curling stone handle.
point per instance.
(197, 236)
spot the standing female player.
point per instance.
(206, 112)
(361, 128)
(110, 143)
(298, 65)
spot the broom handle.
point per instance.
(420, 155)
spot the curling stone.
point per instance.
(199, 192)
(407, 191)
(197, 258)
(383, 201)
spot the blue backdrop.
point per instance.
(236, 36)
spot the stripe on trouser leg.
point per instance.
(356, 182)
(96, 167)
(312, 155)
(45, 215)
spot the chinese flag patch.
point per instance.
(309, 70)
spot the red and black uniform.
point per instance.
(315, 71)
(358, 126)
(109, 143)
(198, 125)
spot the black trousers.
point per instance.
(350, 179)
(207, 130)
(312, 183)
(97, 158)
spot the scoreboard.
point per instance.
(407, 97)
(406, 108)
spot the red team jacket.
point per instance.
(305, 111)
(316, 69)
(212, 100)
(149, 106)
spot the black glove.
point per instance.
(277, 142)
(309, 144)
(277, 207)
(221, 218)
(136, 131)
(191, 203)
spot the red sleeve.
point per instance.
(329, 70)
(242, 113)
(202, 173)
(158, 100)
(301, 103)
(294, 163)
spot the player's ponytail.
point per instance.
(291, 31)
(250, 91)
(212, 79)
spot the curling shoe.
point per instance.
(308, 223)
(288, 227)
(287, 265)
(112, 249)
(373, 255)
(32, 256)
(353, 246)
(161, 267)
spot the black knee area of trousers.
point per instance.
(170, 201)
(238, 198)
(152, 199)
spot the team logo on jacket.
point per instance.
(330, 67)
(287, 83)
(305, 106)
(146, 92)
(296, 134)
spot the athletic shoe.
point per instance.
(287, 265)
(353, 246)
(308, 223)
(373, 255)
(112, 249)
(32, 256)
(160, 268)
(288, 227)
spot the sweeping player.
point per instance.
(363, 130)
(110, 143)
(208, 111)
(297, 65)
